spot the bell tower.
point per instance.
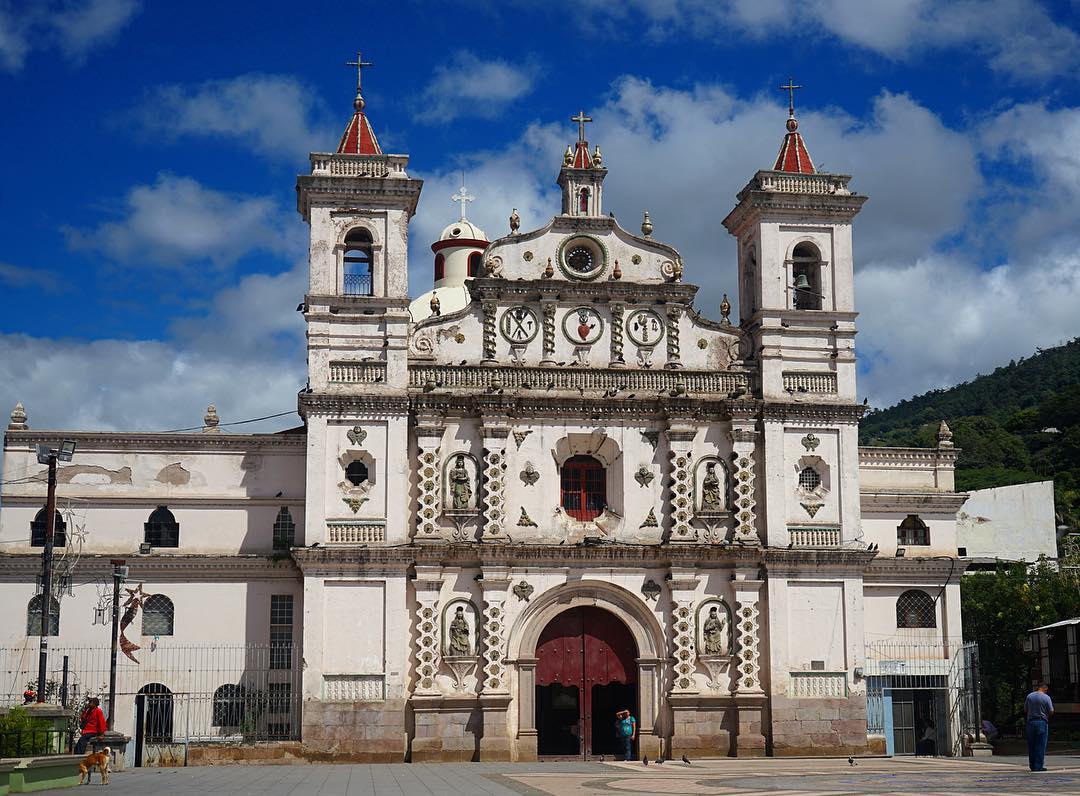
(582, 175)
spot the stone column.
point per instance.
(526, 699)
(750, 696)
(495, 695)
(680, 445)
(429, 432)
(428, 584)
(489, 308)
(744, 447)
(495, 434)
(617, 360)
(648, 739)
(674, 353)
(547, 312)
(683, 586)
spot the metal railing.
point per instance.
(34, 743)
(357, 284)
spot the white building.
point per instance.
(1007, 523)
(545, 490)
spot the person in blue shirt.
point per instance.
(1038, 708)
(626, 731)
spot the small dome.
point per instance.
(464, 230)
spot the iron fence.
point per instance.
(33, 743)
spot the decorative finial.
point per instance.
(581, 120)
(18, 418)
(359, 63)
(597, 158)
(792, 122)
(211, 420)
(646, 225)
(944, 435)
(515, 221)
(568, 156)
(725, 309)
(549, 271)
(434, 304)
(617, 272)
(462, 196)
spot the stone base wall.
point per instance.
(456, 729)
(354, 732)
(233, 754)
(819, 727)
(717, 726)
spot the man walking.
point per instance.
(92, 722)
(1038, 708)
(626, 730)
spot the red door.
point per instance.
(585, 673)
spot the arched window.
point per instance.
(583, 201)
(162, 529)
(357, 263)
(158, 716)
(33, 616)
(157, 618)
(806, 271)
(913, 531)
(915, 608)
(475, 262)
(39, 531)
(356, 472)
(440, 266)
(809, 479)
(284, 529)
(584, 487)
(229, 706)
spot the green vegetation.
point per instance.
(1020, 423)
(22, 735)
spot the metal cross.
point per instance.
(462, 196)
(359, 63)
(581, 118)
(790, 89)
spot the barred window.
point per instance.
(281, 631)
(157, 617)
(39, 531)
(33, 616)
(284, 529)
(356, 472)
(280, 695)
(809, 479)
(913, 531)
(229, 706)
(915, 608)
(162, 529)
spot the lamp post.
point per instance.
(50, 457)
(120, 572)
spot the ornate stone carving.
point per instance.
(427, 630)
(459, 484)
(494, 664)
(527, 257)
(743, 441)
(494, 511)
(810, 442)
(428, 512)
(681, 500)
(519, 437)
(355, 503)
(548, 310)
(944, 435)
(644, 328)
(523, 590)
(652, 437)
(515, 221)
(18, 418)
(650, 520)
(357, 435)
(460, 623)
(617, 335)
(682, 628)
(211, 420)
(650, 589)
(493, 265)
(530, 475)
(714, 629)
(489, 308)
(519, 325)
(582, 326)
(525, 521)
(812, 508)
(636, 259)
(674, 313)
(713, 488)
(644, 475)
(748, 654)
(725, 310)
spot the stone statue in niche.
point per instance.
(714, 633)
(712, 497)
(458, 635)
(460, 485)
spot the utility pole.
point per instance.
(119, 573)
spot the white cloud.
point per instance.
(246, 356)
(177, 221)
(74, 27)
(468, 86)
(16, 277)
(273, 115)
(1016, 37)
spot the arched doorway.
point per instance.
(586, 671)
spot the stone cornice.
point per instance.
(159, 568)
(887, 570)
(148, 499)
(820, 412)
(523, 290)
(795, 562)
(360, 304)
(348, 404)
(197, 442)
(874, 456)
(911, 501)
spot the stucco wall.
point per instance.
(1015, 523)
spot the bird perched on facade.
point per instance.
(686, 759)
(515, 221)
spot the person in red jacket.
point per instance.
(92, 721)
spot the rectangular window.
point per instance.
(281, 631)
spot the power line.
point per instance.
(234, 423)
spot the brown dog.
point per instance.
(98, 760)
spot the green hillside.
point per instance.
(1020, 423)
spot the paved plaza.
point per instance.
(900, 776)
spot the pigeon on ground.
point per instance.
(645, 759)
(659, 761)
(851, 761)
(601, 758)
(686, 759)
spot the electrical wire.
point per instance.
(234, 423)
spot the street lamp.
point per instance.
(49, 456)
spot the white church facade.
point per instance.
(547, 489)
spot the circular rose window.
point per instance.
(582, 257)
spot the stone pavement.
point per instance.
(775, 777)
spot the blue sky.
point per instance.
(151, 257)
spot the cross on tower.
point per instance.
(790, 89)
(359, 63)
(581, 118)
(462, 196)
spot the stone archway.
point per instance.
(643, 626)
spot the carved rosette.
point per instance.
(427, 632)
(427, 526)
(494, 484)
(548, 331)
(748, 656)
(495, 585)
(673, 350)
(743, 444)
(617, 335)
(680, 441)
(489, 308)
(682, 631)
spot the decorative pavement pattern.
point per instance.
(898, 777)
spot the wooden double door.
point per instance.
(585, 673)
